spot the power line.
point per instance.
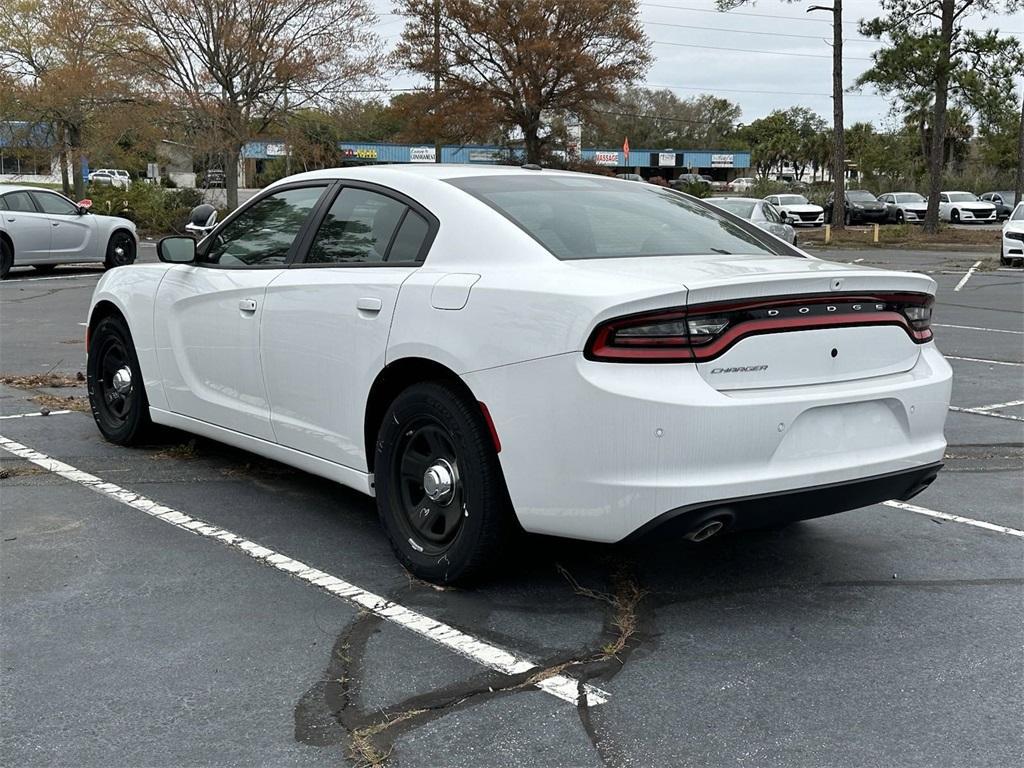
(752, 32)
(713, 89)
(752, 50)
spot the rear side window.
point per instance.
(358, 228)
(410, 239)
(20, 201)
(581, 217)
(3, 203)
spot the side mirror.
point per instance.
(201, 220)
(84, 206)
(177, 250)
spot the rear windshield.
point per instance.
(588, 217)
(741, 208)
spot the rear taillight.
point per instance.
(703, 332)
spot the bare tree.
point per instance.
(240, 66)
(523, 59)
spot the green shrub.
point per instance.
(764, 187)
(154, 209)
(695, 188)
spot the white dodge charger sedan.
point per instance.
(42, 228)
(489, 349)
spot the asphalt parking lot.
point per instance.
(257, 616)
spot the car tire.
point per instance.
(44, 269)
(456, 534)
(847, 218)
(954, 216)
(120, 250)
(118, 402)
(6, 259)
(1003, 261)
(901, 218)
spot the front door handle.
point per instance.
(369, 304)
(247, 305)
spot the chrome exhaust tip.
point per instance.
(705, 531)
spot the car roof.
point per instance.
(740, 199)
(4, 188)
(438, 171)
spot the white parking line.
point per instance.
(980, 412)
(27, 415)
(954, 518)
(980, 360)
(51, 277)
(965, 278)
(997, 406)
(484, 653)
(976, 328)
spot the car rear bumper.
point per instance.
(598, 451)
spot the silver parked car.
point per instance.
(759, 212)
(904, 207)
(42, 228)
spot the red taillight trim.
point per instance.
(601, 346)
(490, 426)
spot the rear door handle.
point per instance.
(369, 304)
(247, 305)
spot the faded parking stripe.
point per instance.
(954, 518)
(491, 656)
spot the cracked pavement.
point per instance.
(875, 637)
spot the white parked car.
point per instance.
(42, 229)
(117, 177)
(904, 207)
(760, 213)
(742, 184)
(956, 207)
(798, 210)
(488, 348)
(1013, 237)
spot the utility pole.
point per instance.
(437, 76)
(838, 136)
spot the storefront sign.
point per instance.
(359, 154)
(421, 155)
(606, 158)
(276, 150)
(722, 161)
(666, 159)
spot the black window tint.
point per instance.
(586, 217)
(262, 234)
(357, 228)
(20, 201)
(3, 203)
(409, 239)
(50, 203)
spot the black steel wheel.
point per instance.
(120, 250)
(6, 259)
(116, 392)
(440, 492)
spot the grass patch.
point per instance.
(906, 236)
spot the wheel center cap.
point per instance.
(122, 381)
(439, 482)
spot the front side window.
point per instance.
(579, 217)
(20, 201)
(261, 235)
(51, 203)
(358, 229)
(771, 214)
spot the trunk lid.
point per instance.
(782, 357)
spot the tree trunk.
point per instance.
(938, 150)
(231, 156)
(839, 139)
(75, 137)
(1018, 186)
(531, 141)
(62, 141)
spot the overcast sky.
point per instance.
(759, 82)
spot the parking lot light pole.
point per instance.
(838, 138)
